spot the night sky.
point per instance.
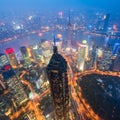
(57, 4)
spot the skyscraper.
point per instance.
(3, 60)
(11, 56)
(57, 75)
(81, 56)
(93, 56)
(116, 48)
(25, 56)
(106, 21)
(35, 53)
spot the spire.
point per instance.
(69, 32)
(54, 41)
(69, 21)
(55, 47)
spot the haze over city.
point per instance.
(59, 60)
(57, 4)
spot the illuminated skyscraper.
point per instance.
(3, 60)
(93, 56)
(105, 62)
(57, 75)
(82, 50)
(25, 56)
(106, 21)
(14, 84)
(35, 53)
(11, 56)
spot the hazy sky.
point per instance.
(53, 4)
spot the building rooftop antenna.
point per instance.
(55, 47)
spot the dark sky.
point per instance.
(53, 4)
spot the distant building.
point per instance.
(116, 48)
(82, 50)
(35, 53)
(93, 56)
(105, 62)
(57, 75)
(116, 64)
(25, 56)
(106, 21)
(11, 56)
(69, 34)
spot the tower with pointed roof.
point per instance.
(58, 79)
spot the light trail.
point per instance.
(84, 110)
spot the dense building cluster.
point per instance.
(33, 76)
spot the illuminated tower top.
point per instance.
(9, 50)
(11, 56)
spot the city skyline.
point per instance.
(59, 60)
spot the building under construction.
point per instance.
(57, 75)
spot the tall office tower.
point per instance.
(116, 48)
(11, 56)
(14, 84)
(81, 57)
(106, 44)
(116, 64)
(98, 25)
(35, 53)
(105, 62)
(57, 75)
(93, 56)
(25, 56)
(106, 21)
(60, 20)
(69, 33)
(89, 40)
